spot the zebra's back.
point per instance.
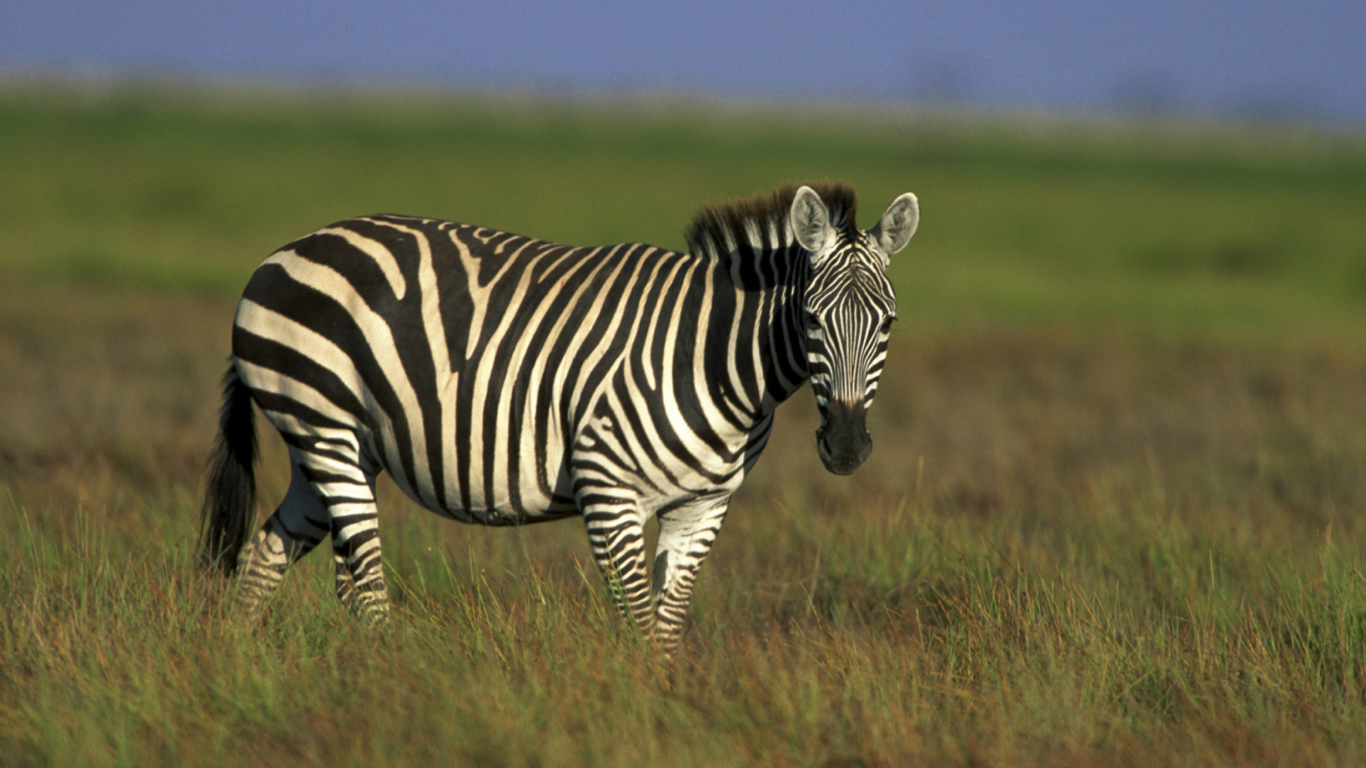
(465, 361)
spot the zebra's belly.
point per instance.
(492, 486)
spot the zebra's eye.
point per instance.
(812, 324)
(887, 324)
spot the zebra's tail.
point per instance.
(229, 511)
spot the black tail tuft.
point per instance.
(229, 512)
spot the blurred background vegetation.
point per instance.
(1170, 225)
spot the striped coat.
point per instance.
(505, 380)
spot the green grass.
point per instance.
(1165, 225)
(1113, 515)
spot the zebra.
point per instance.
(505, 380)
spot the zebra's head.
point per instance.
(850, 306)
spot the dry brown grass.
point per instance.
(1111, 517)
(1067, 548)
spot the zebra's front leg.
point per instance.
(616, 533)
(341, 582)
(685, 538)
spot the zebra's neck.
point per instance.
(775, 280)
(753, 249)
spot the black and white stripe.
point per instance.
(505, 380)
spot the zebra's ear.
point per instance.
(897, 224)
(811, 222)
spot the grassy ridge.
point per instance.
(1113, 515)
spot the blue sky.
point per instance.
(1259, 57)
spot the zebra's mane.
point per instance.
(717, 231)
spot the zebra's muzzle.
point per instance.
(844, 443)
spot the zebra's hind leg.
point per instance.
(349, 494)
(685, 538)
(300, 522)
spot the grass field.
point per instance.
(1114, 514)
